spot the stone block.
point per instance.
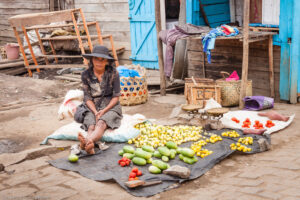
(54, 192)
(16, 179)
(84, 184)
(295, 192)
(29, 164)
(17, 192)
(179, 171)
(51, 180)
(270, 195)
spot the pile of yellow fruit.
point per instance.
(232, 134)
(197, 147)
(158, 135)
(214, 138)
(240, 147)
(203, 153)
(246, 140)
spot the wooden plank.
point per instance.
(58, 66)
(103, 7)
(39, 6)
(159, 48)
(232, 10)
(40, 18)
(99, 1)
(14, 71)
(68, 37)
(271, 67)
(68, 78)
(256, 11)
(107, 16)
(245, 53)
(12, 2)
(20, 11)
(51, 5)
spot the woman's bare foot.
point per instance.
(89, 147)
(81, 138)
(273, 115)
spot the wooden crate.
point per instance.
(198, 90)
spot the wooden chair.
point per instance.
(37, 21)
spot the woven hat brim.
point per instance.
(98, 55)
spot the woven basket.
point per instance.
(230, 91)
(134, 89)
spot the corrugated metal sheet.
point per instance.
(270, 11)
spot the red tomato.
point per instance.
(139, 173)
(135, 170)
(132, 175)
(131, 179)
(136, 178)
(127, 162)
(122, 164)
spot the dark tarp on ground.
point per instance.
(104, 165)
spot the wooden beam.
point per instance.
(245, 52)
(160, 50)
(271, 68)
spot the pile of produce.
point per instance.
(232, 134)
(158, 135)
(135, 172)
(257, 125)
(143, 156)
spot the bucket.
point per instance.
(12, 51)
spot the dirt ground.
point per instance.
(28, 113)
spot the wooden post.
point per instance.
(245, 52)
(160, 50)
(271, 68)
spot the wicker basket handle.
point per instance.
(223, 73)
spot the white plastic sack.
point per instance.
(253, 115)
(122, 134)
(72, 99)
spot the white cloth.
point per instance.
(253, 115)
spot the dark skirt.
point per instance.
(111, 118)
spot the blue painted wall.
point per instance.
(143, 33)
(217, 12)
(289, 35)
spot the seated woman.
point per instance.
(101, 87)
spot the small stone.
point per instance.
(176, 170)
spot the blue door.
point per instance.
(290, 53)
(143, 33)
(217, 12)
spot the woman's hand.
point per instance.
(99, 114)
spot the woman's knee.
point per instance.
(101, 124)
(91, 128)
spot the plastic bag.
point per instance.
(72, 99)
